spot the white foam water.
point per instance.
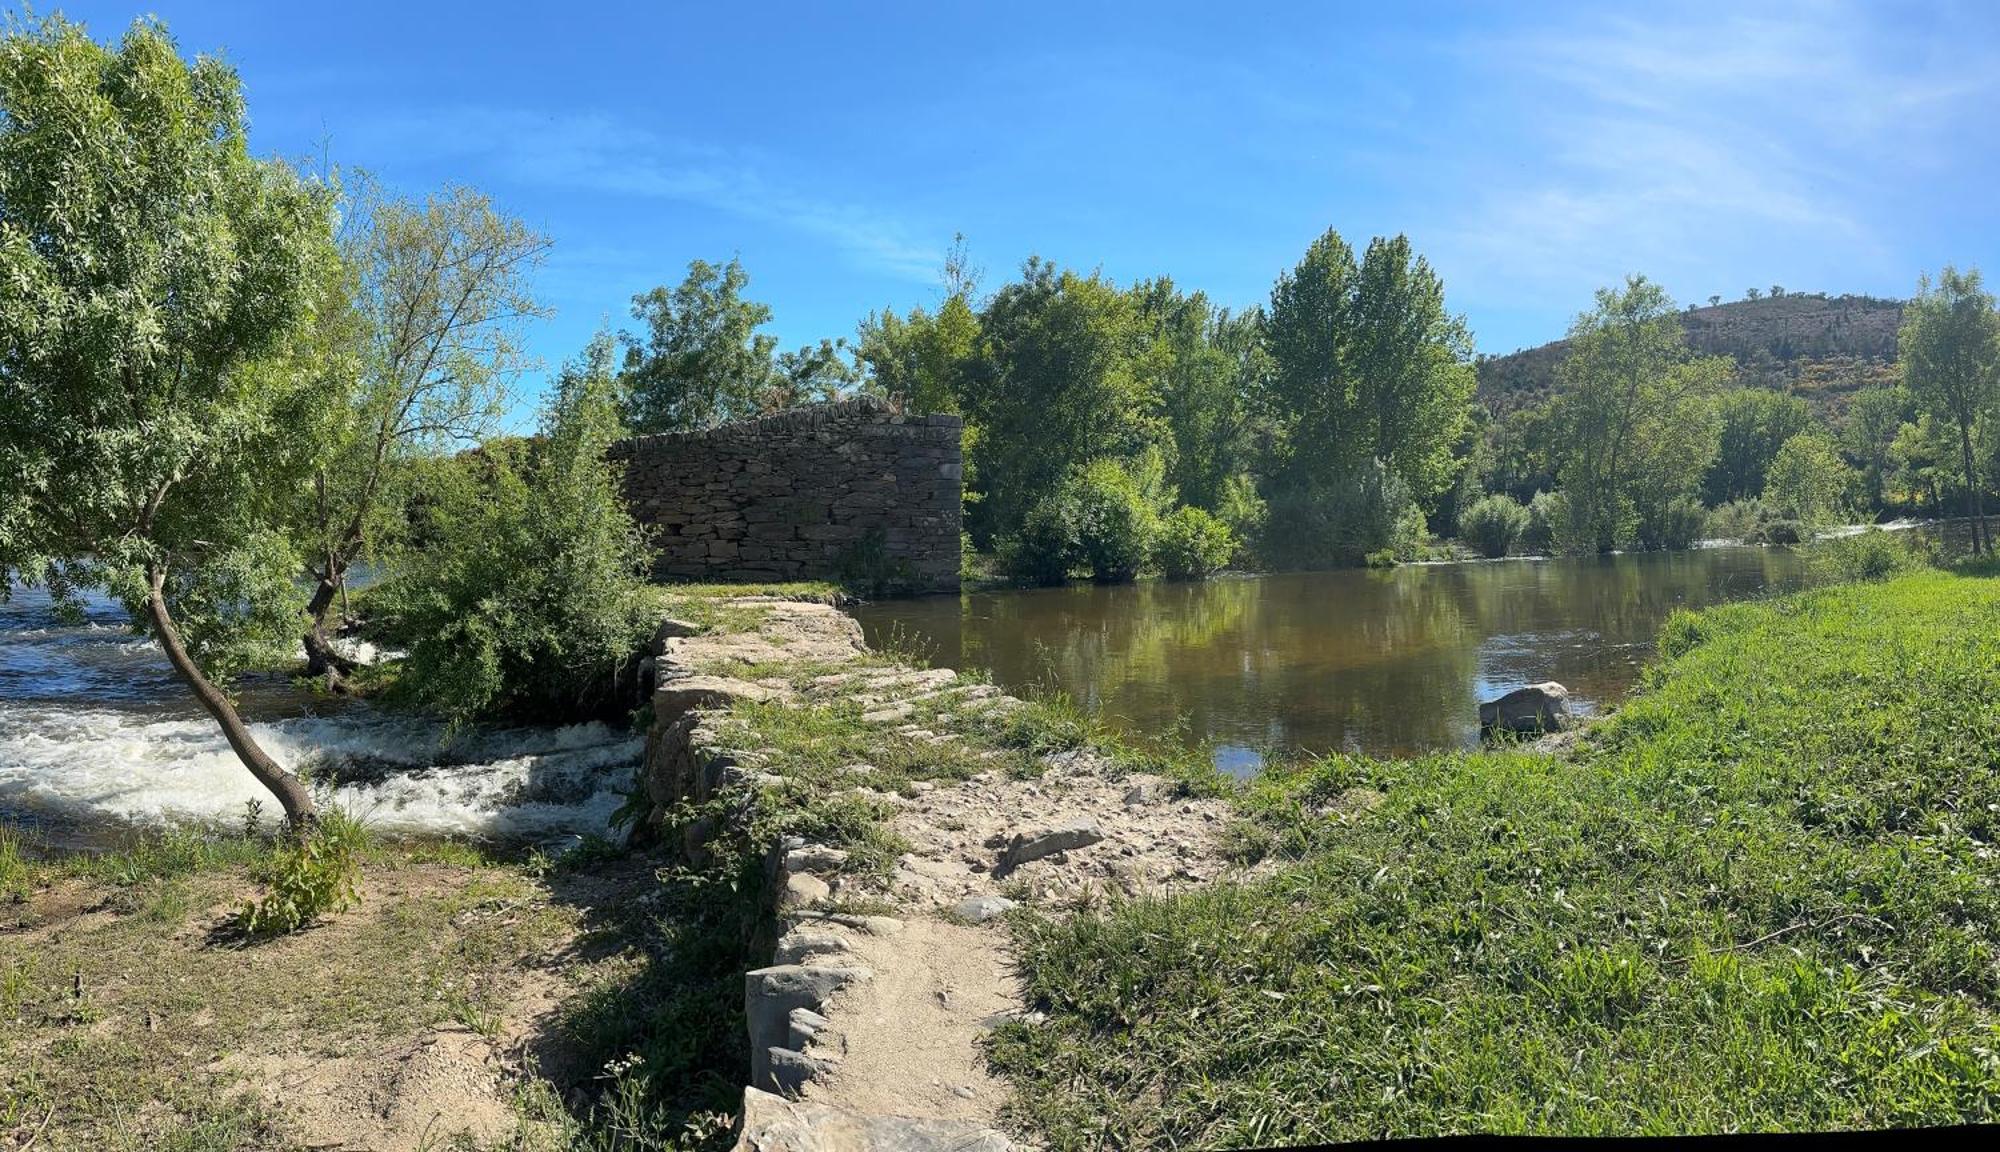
(95, 733)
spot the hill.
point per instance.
(1821, 347)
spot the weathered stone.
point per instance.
(796, 947)
(980, 909)
(789, 1071)
(814, 858)
(770, 995)
(1026, 847)
(772, 1123)
(802, 890)
(805, 1027)
(1536, 708)
(683, 694)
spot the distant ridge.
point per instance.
(1824, 348)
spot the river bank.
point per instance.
(1760, 897)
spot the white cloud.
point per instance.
(1673, 142)
(600, 154)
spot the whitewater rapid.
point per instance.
(96, 734)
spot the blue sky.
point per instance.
(1532, 151)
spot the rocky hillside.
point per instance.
(1824, 348)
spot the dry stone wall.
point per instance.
(843, 491)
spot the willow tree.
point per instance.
(1634, 415)
(155, 283)
(1950, 348)
(423, 340)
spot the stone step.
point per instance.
(771, 1123)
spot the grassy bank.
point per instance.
(1762, 897)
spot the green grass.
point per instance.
(1764, 896)
(124, 996)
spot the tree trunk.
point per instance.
(1980, 544)
(321, 658)
(291, 792)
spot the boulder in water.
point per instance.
(1532, 710)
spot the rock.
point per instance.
(1023, 848)
(683, 694)
(670, 629)
(889, 714)
(802, 890)
(1535, 709)
(980, 909)
(797, 947)
(806, 1025)
(770, 995)
(788, 1071)
(772, 1123)
(1147, 792)
(814, 858)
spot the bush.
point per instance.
(1808, 481)
(531, 598)
(1114, 521)
(1340, 521)
(1192, 545)
(1779, 532)
(1044, 550)
(1493, 523)
(1243, 510)
(308, 877)
(1676, 527)
(1736, 520)
(1543, 512)
(1869, 555)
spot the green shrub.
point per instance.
(531, 596)
(1192, 545)
(308, 877)
(1869, 555)
(1243, 510)
(1543, 512)
(1736, 520)
(1044, 550)
(1330, 522)
(1779, 532)
(1114, 521)
(1808, 481)
(1493, 524)
(1676, 527)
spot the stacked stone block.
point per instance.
(843, 491)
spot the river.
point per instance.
(1379, 662)
(97, 735)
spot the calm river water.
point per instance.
(1383, 662)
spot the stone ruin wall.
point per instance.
(845, 491)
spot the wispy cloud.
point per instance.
(599, 153)
(1668, 142)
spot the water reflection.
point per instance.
(1379, 662)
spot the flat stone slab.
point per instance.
(1026, 847)
(772, 1123)
(683, 694)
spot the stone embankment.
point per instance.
(865, 1027)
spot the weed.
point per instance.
(308, 877)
